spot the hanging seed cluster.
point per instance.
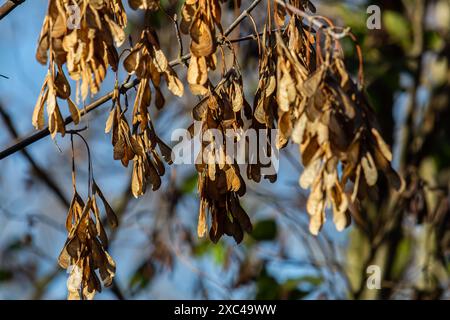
(85, 249)
(84, 41)
(307, 91)
(200, 19)
(220, 182)
(304, 91)
(55, 87)
(150, 65)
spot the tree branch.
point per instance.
(9, 6)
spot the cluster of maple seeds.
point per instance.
(55, 86)
(304, 91)
(220, 183)
(149, 64)
(85, 249)
(86, 49)
(311, 96)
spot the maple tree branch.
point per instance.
(9, 6)
(241, 17)
(40, 172)
(123, 89)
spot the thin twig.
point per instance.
(9, 6)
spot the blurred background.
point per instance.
(156, 248)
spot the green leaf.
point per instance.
(216, 251)
(219, 253)
(267, 287)
(398, 27)
(434, 41)
(402, 257)
(142, 276)
(312, 280)
(202, 248)
(189, 185)
(265, 230)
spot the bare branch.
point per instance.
(9, 6)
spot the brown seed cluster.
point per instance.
(200, 19)
(220, 182)
(55, 86)
(149, 64)
(81, 35)
(304, 91)
(139, 147)
(316, 104)
(85, 249)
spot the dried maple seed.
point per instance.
(87, 50)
